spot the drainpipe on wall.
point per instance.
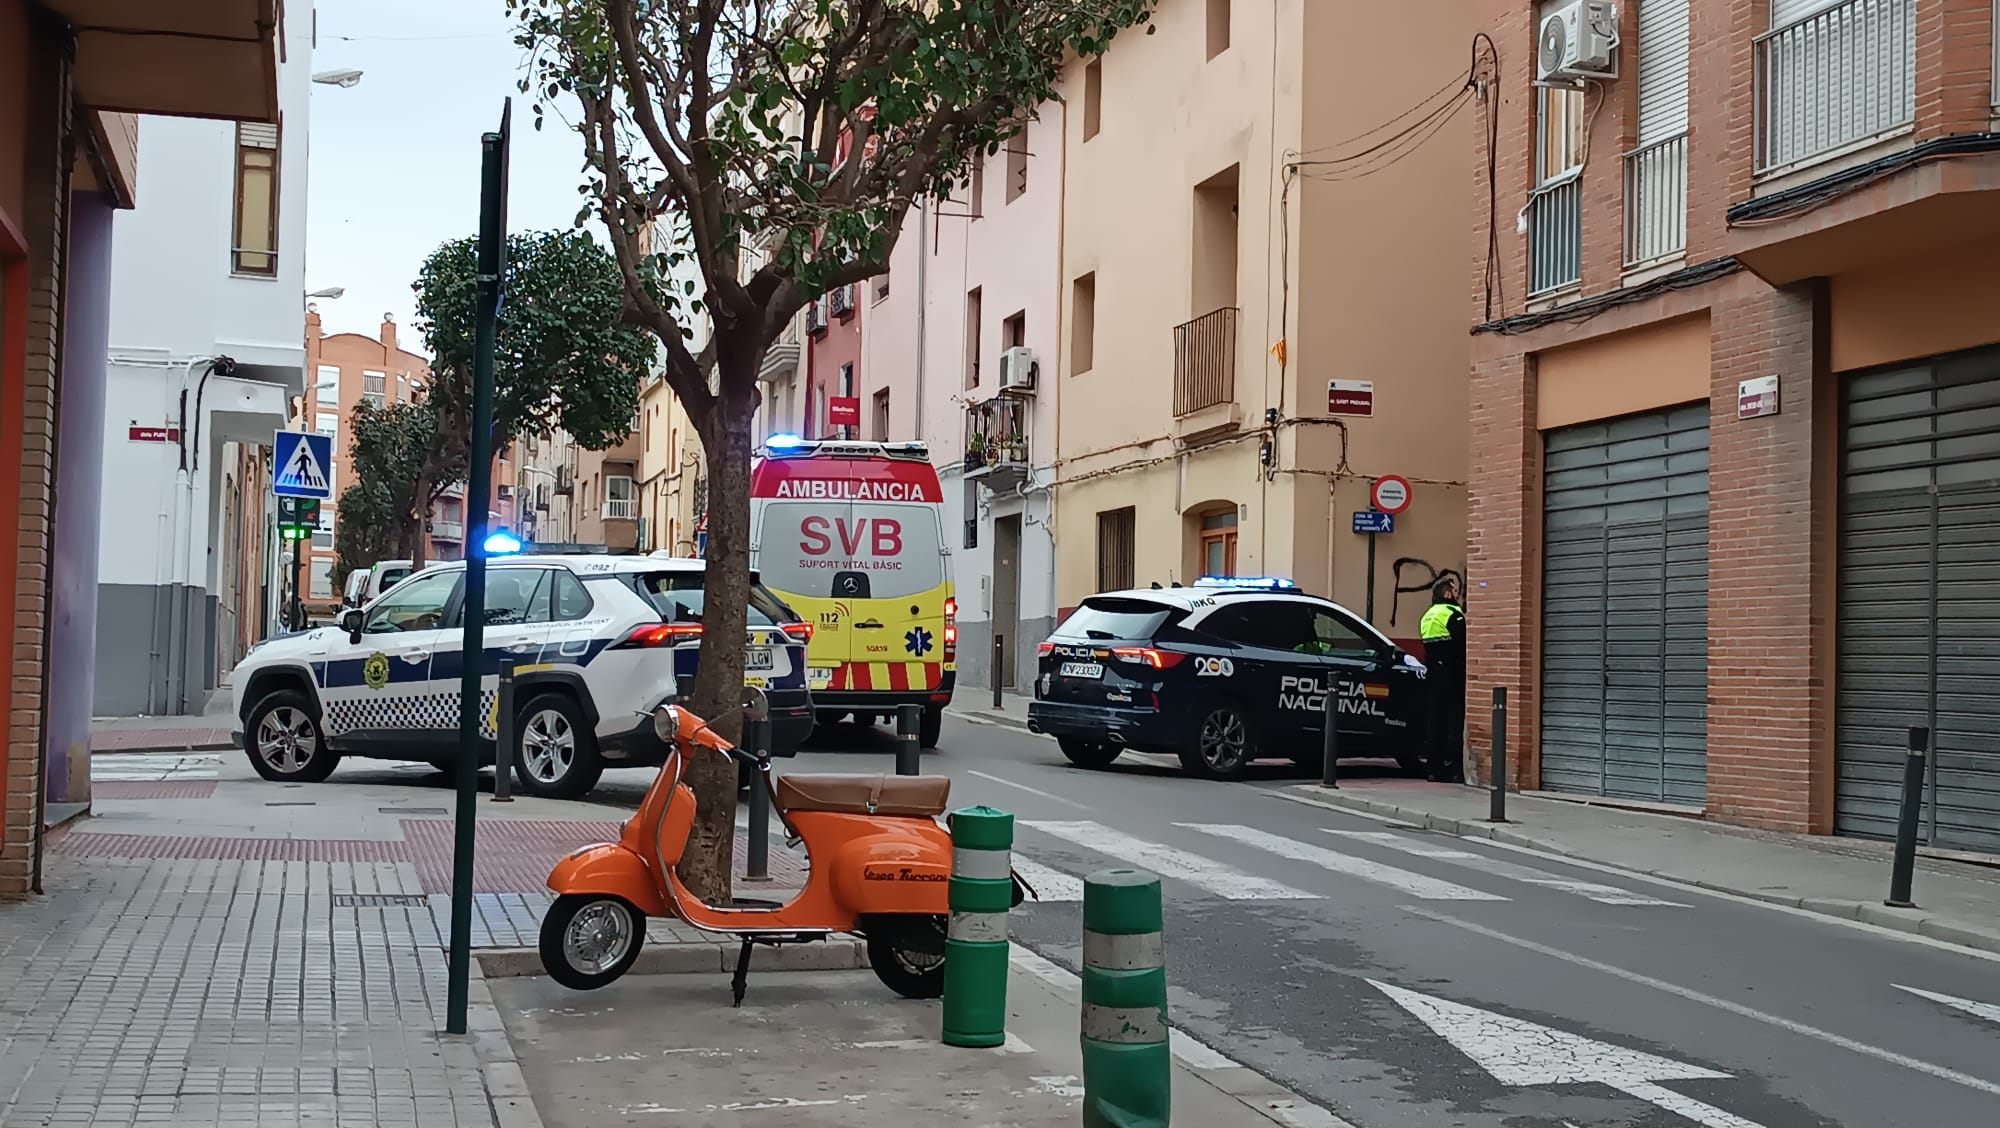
(923, 300)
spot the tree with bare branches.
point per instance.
(805, 130)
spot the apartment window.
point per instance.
(619, 499)
(1014, 331)
(976, 190)
(882, 286)
(373, 386)
(1218, 27)
(1116, 553)
(326, 383)
(256, 229)
(322, 579)
(882, 416)
(1082, 323)
(1555, 208)
(1214, 272)
(1017, 165)
(1656, 171)
(1093, 98)
(1559, 133)
(1218, 544)
(322, 540)
(328, 423)
(972, 319)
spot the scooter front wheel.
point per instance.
(590, 939)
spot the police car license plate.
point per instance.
(758, 660)
(1081, 670)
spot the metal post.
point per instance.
(1127, 1064)
(757, 738)
(491, 266)
(298, 608)
(1903, 869)
(1497, 768)
(999, 668)
(1329, 748)
(1371, 578)
(909, 757)
(503, 735)
(975, 945)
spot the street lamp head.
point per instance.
(329, 292)
(347, 77)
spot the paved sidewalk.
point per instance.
(205, 731)
(978, 706)
(1844, 877)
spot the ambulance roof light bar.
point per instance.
(787, 446)
(1257, 583)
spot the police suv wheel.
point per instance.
(1222, 747)
(555, 753)
(1087, 753)
(283, 738)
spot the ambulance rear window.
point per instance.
(851, 550)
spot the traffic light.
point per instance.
(298, 517)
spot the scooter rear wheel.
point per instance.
(590, 939)
(898, 957)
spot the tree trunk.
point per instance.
(707, 866)
(414, 524)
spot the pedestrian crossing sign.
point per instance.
(303, 460)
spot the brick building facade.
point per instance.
(1704, 590)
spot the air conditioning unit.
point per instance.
(1018, 370)
(1578, 41)
(841, 301)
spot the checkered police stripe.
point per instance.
(406, 711)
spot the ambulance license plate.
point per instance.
(819, 677)
(1081, 670)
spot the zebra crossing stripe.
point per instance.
(1420, 886)
(154, 767)
(1050, 884)
(1602, 894)
(1224, 881)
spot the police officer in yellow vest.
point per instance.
(1443, 633)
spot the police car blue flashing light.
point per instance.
(784, 442)
(502, 544)
(1258, 583)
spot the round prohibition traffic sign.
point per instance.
(1391, 493)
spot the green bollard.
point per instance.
(975, 946)
(1127, 1066)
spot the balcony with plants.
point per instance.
(996, 442)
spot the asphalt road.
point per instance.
(1403, 978)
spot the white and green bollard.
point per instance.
(1127, 1065)
(975, 946)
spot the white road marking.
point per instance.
(1154, 759)
(1986, 1011)
(141, 767)
(1030, 790)
(1602, 894)
(1224, 881)
(1068, 1086)
(1526, 1054)
(1049, 884)
(1735, 1008)
(1406, 881)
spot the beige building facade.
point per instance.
(1209, 307)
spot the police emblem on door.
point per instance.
(375, 671)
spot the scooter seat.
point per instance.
(913, 796)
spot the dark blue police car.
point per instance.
(1223, 673)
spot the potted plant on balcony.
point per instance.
(975, 451)
(1014, 448)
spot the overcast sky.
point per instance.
(395, 160)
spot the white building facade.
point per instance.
(210, 265)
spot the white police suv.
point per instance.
(598, 642)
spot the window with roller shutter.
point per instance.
(1832, 76)
(254, 233)
(1656, 171)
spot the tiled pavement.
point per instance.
(228, 992)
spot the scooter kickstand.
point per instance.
(741, 981)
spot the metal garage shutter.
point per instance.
(1625, 608)
(1919, 619)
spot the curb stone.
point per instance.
(693, 959)
(1913, 921)
(987, 716)
(506, 1086)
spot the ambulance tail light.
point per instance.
(951, 629)
(800, 632)
(1147, 656)
(657, 635)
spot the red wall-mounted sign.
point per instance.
(843, 411)
(153, 434)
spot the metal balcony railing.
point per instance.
(1205, 361)
(1656, 178)
(1555, 235)
(1839, 77)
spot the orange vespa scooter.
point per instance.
(879, 863)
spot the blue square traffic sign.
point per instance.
(304, 462)
(1374, 521)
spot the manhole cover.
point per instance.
(378, 900)
(413, 810)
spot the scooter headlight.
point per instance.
(667, 723)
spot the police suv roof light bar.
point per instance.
(1258, 583)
